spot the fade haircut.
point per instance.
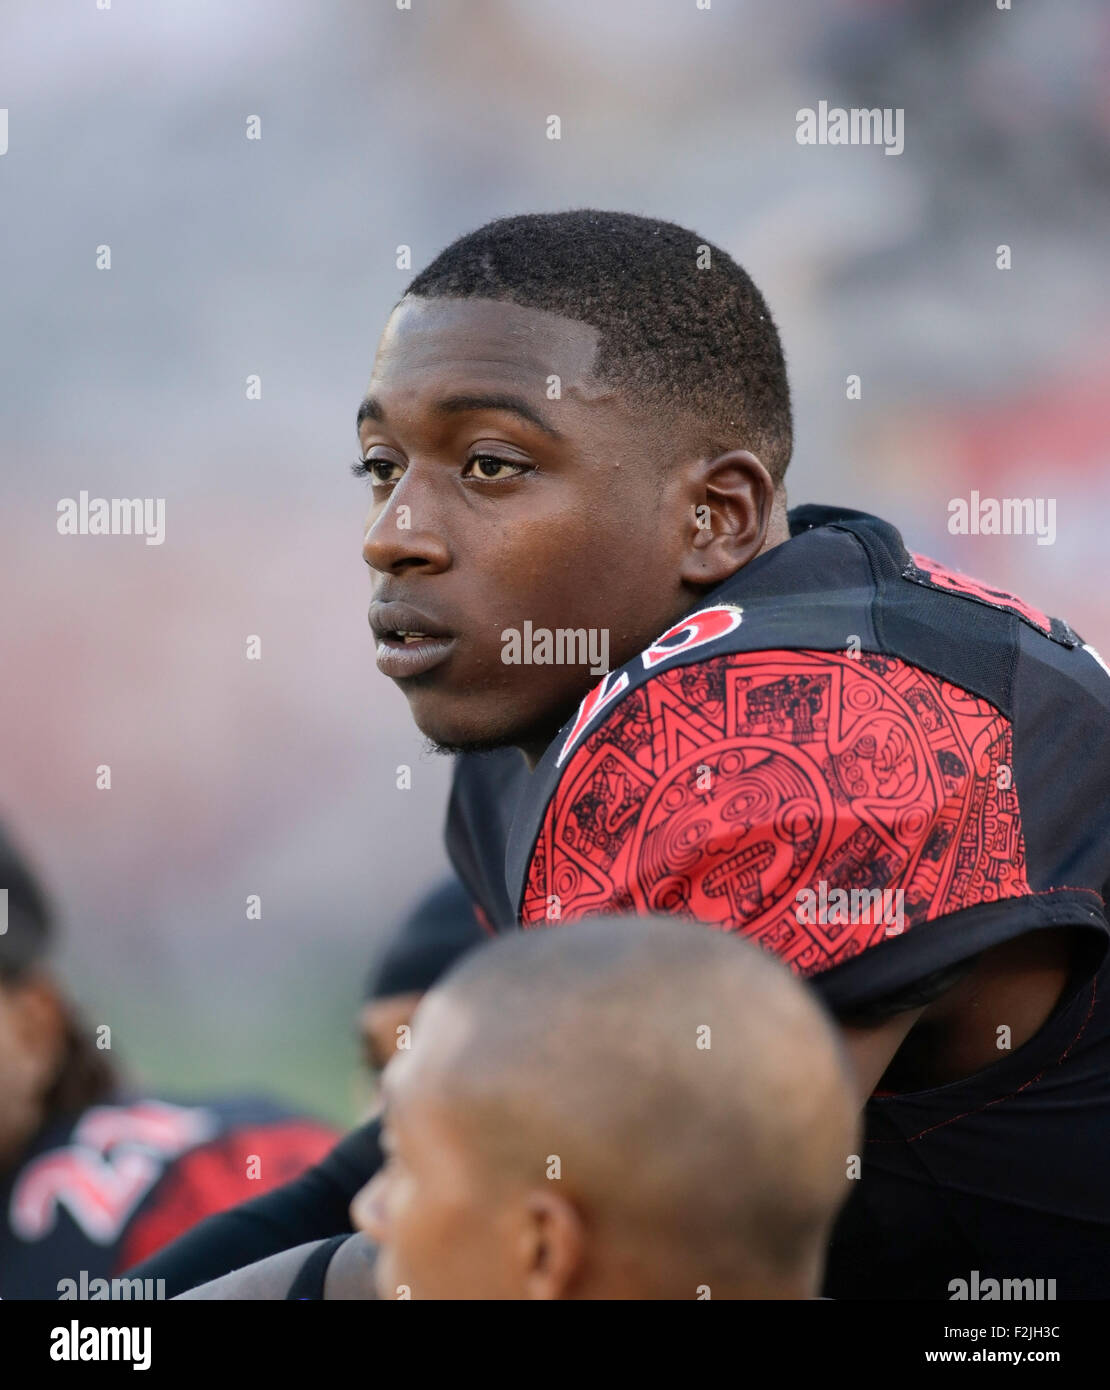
(697, 1093)
(683, 329)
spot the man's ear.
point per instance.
(553, 1245)
(732, 498)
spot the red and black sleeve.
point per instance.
(852, 813)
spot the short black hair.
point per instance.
(682, 326)
(26, 930)
(695, 1089)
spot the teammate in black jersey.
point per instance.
(94, 1175)
(576, 434)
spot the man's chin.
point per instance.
(454, 750)
(469, 726)
(454, 736)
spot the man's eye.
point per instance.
(489, 466)
(377, 470)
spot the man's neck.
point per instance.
(778, 528)
(778, 531)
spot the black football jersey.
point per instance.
(875, 768)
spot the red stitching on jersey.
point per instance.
(998, 1100)
(1071, 888)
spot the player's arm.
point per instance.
(349, 1277)
(872, 1048)
(943, 1028)
(270, 1278)
(688, 791)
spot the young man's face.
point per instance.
(380, 1024)
(508, 487)
(30, 1050)
(435, 1211)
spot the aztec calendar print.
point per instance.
(719, 789)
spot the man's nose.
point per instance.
(405, 535)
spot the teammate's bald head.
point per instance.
(676, 1088)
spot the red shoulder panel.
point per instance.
(718, 790)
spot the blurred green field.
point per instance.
(292, 1039)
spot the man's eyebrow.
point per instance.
(371, 409)
(510, 404)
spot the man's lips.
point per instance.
(409, 642)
